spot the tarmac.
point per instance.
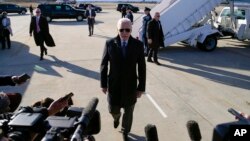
(189, 85)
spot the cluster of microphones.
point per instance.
(192, 127)
(221, 132)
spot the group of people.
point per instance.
(127, 13)
(5, 30)
(39, 28)
(9, 102)
(122, 68)
(123, 56)
(152, 35)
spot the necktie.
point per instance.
(124, 48)
(37, 25)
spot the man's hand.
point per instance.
(244, 115)
(20, 79)
(104, 90)
(139, 93)
(4, 139)
(57, 105)
(150, 41)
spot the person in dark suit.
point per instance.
(31, 10)
(40, 28)
(90, 14)
(129, 15)
(145, 20)
(123, 11)
(125, 56)
(155, 37)
(7, 31)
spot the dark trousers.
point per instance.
(145, 42)
(127, 117)
(43, 49)
(6, 38)
(124, 15)
(91, 22)
(151, 52)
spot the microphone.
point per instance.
(193, 130)
(84, 120)
(151, 132)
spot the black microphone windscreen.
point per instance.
(193, 130)
(91, 107)
(151, 133)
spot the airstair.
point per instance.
(180, 20)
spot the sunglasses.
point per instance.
(126, 29)
(38, 12)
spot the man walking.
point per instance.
(155, 37)
(127, 67)
(129, 15)
(123, 11)
(145, 20)
(6, 31)
(40, 28)
(90, 14)
(31, 10)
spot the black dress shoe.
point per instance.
(149, 60)
(125, 137)
(41, 58)
(116, 123)
(157, 63)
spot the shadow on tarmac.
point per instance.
(19, 60)
(74, 68)
(101, 36)
(71, 22)
(210, 65)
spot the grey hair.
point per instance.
(123, 20)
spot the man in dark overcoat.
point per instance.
(40, 28)
(123, 56)
(90, 14)
(155, 37)
(129, 15)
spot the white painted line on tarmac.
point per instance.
(156, 105)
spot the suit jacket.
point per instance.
(155, 33)
(6, 80)
(126, 75)
(7, 25)
(130, 16)
(93, 14)
(44, 29)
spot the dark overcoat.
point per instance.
(126, 74)
(155, 33)
(44, 29)
(6, 80)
